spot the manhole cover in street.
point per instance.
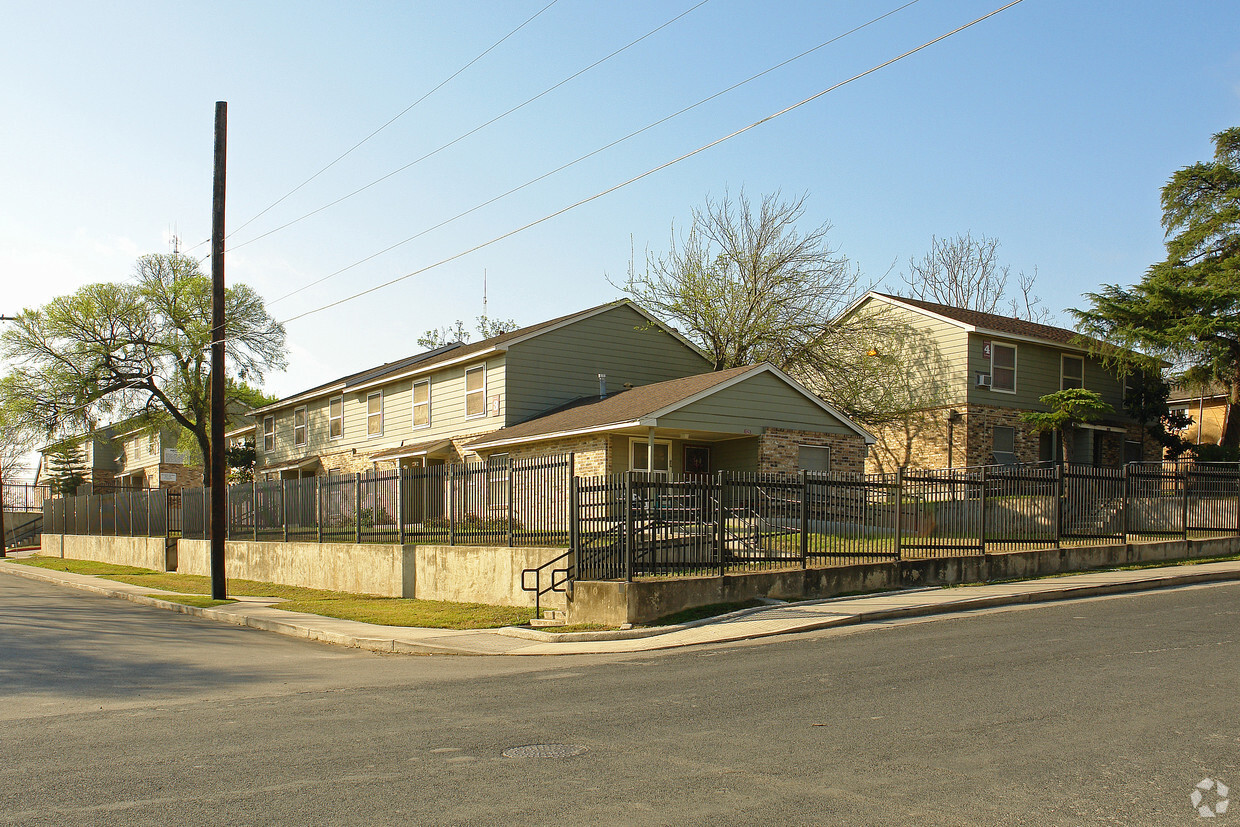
(544, 751)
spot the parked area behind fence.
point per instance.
(634, 524)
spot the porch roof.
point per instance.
(642, 407)
(418, 449)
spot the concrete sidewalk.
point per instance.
(765, 621)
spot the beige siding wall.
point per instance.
(564, 364)
(447, 416)
(951, 341)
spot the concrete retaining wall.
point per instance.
(145, 552)
(360, 568)
(614, 603)
(491, 575)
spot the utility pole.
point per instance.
(3, 535)
(219, 486)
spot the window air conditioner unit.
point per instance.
(983, 380)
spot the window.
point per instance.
(1071, 372)
(422, 404)
(335, 418)
(641, 460)
(476, 392)
(374, 414)
(299, 426)
(813, 458)
(269, 433)
(1132, 450)
(1004, 445)
(1003, 368)
(150, 444)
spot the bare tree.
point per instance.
(965, 272)
(746, 285)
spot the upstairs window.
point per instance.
(150, 444)
(299, 426)
(476, 392)
(269, 433)
(1003, 368)
(1071, 372)
(422, 404)
(374, 414)
(335, 418)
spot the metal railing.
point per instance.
(516, 502)
(17, 496)
(636, 524)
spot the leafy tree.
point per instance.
(66, 466)
(240, 460)
(486, 327)
(1146, 402)
(117, 350)
(1186, 309)
(748, 286)
(965, 272)
(1069, 407)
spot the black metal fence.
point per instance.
(126, 513)
(635, 524)
(17, 496)
(516, 502)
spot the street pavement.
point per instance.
(1109, 710)
(787, 618)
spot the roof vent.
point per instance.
(602, 386)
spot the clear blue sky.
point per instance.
(1051, 126)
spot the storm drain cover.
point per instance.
(544, 751)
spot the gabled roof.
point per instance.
(976, 321)
(641, 406)
(461, 352)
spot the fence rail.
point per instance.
(634, 524)
(17, 496)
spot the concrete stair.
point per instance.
(550, 617)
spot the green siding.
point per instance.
(1037, 374)
(755, 403)
(562, 365)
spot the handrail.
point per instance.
(554, 586)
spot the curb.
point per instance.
(291, 628)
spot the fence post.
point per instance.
(357, 508)
(400, 504)
(982, 533)
(451, 503)
(253, 505)
(572, 511)
(1127, 497)
(628, 526)
(721, 521)
(1058, 510)
(318, 507)
(804, 519)
(510, 486)
(899, 513)
(574, 527)
(1183, 480)
(284, 507)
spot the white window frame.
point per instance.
(269, 434)
(644, 443)
(994, 351)
(482, 392)
(338, 419)
(151, 448)
(826, 448)
(369, 433)
(1063, 376)
(414, 405)
(299, 443)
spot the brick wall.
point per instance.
(592, 453)
(918, 441)
(778, 449)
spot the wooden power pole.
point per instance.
(219, 484)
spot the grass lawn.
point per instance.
(388, 611)
(201, 601)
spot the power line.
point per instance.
(476, 129)
(393, 120)
(588, 155)
(653, 170)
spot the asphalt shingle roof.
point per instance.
(623, 406)
(993, 321)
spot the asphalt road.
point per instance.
(1104, 711)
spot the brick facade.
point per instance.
(778, 449)
(923, 441)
